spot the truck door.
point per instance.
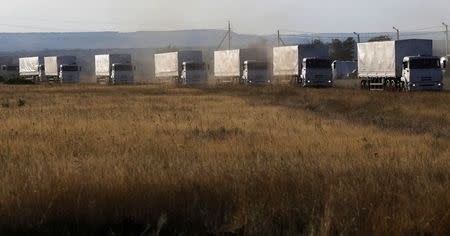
(406, 72)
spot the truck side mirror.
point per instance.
(81, 68)
(444, 65)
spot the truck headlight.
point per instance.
(439, 85)
(309, 81)
(329, 81)
(414, 85)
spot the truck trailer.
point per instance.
(399, 65)
(114, 69)
(242, 65)
(185, 67)
(344, 69)
(32, 68)
(63, 69)
(307, 64)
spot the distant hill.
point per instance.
(105, 40)
(13, 42)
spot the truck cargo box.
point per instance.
(169, 64)
(29, 66)
(385, 59)
(52, 64)
(229, 63)
(287, 60)
(103, 63)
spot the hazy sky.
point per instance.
(247, 16)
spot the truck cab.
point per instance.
(316, 72)
(422, 73)
(193, 73)
(122, 74)
(256, 73)
(8, 72)
(69, 73)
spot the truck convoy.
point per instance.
(8, 69)
(308, 65)
(241, 65)
(32, 68)
(399, 65)
(185, 67)
(344, 69)
(63, 69)
(114, 69)
(389, 65)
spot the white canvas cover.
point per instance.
(29, 66)
(286, 61)
(166, 65)
(227, 63)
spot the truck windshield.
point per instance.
(194, 66)
(318, 64)
(123, 67)
(257, 66)
(69, 68)
(424, 64)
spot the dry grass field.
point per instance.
(149, 159)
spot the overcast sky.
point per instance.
(247, 16)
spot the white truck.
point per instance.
(8, 69)
(185, 67)
(32, 68)
(114, 69)
(399, 65)
(63, 69)
(344, 69)
(241, 65)
(308, 65)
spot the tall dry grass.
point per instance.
(279, 160)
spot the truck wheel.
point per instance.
(304, 83)
(406, 87)
(363, 84)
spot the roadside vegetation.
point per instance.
(93, 160)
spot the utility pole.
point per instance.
(446, 38)
(398, 32)
(278, 38)
(229, 35)
(358, 35)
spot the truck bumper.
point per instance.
(319, 83)
(426, 86)
(260, 82)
